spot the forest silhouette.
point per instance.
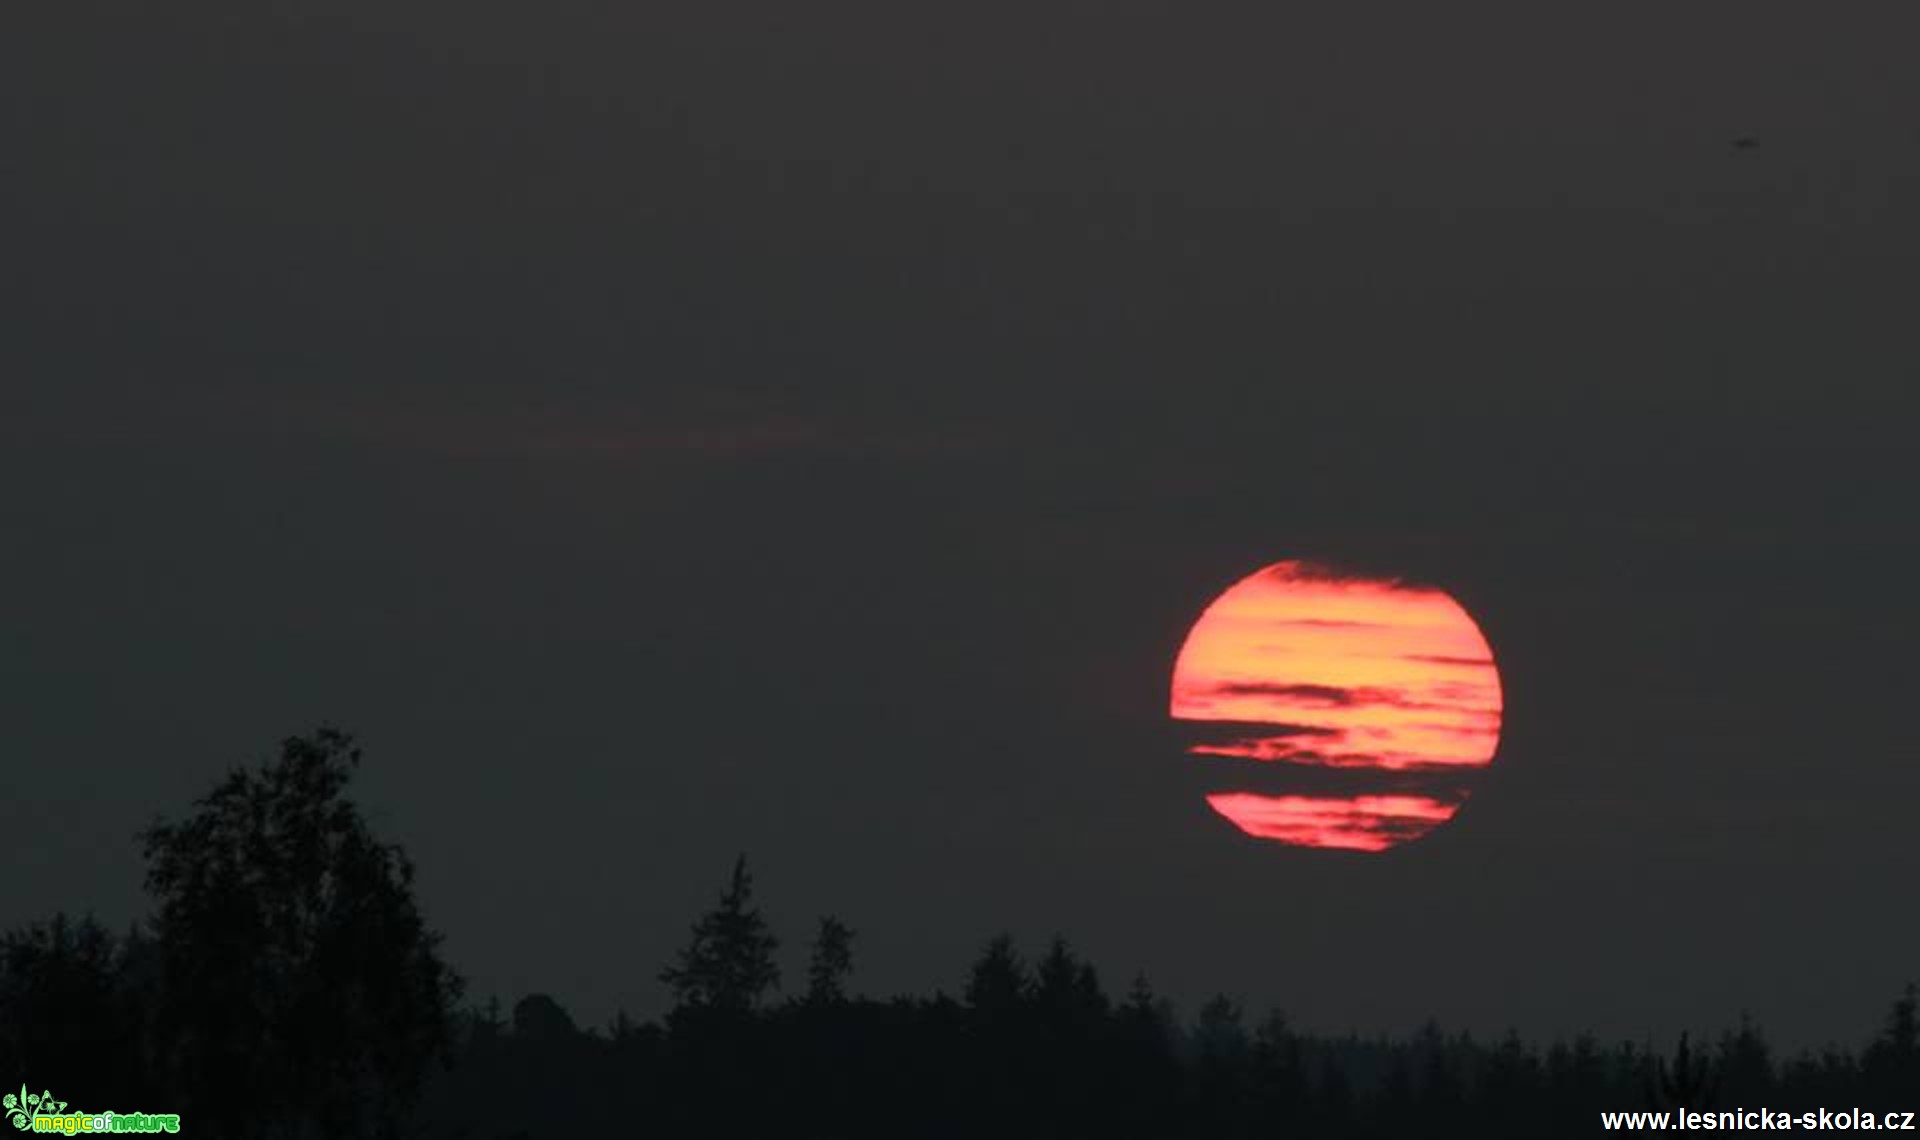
(286, 985)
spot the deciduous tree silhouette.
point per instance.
(728, 965)
(301, 992)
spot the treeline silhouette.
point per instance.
(286, 987)
(1040, 1049)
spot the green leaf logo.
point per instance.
(21, 1107)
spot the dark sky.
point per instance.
(666, 430)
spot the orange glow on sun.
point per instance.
(1383, 690)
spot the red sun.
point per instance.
(1341, 710)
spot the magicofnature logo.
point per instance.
(39, 1112)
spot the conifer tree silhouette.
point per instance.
(998, 984)
(831, 963)
(1891, 1065)
(1067, 990)
(1746, 1064)
(728, 964)
(1688, 1082)
(1219, 1036)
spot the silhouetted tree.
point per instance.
(1067, 990)
(1064, 1035)
(1218, 1034)
(1335, 1098)
(831, 963)
(1891, 1064)
(728, 965)
(1686, 1083)
(1746, 1065)
(485, 1030)
(1396, 1109)
(1146, 1019)
(1508, 1087)
(1815, 1080)
(301, 991)
(1145, 1073)
(1280, 1078)
(541, 1021)
(70, 1011)
(1577, 1076)
(1441, 1089)
(1218, 1046)
(997, 984)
